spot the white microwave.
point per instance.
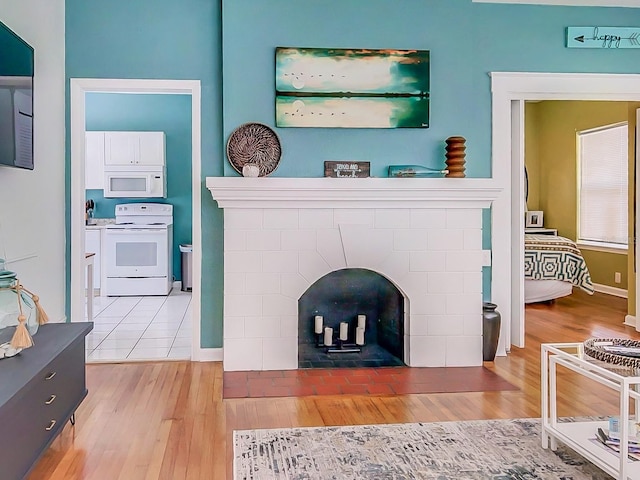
(135, 182)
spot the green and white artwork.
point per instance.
(352, 88)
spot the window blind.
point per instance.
(603, 185)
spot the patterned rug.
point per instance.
(473, 450)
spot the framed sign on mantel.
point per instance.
(346, 169)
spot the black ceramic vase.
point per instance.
(491, 320)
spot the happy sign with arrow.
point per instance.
(603, 37)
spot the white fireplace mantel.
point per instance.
(274, 192)
(281, 235)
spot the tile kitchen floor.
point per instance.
(141, 328)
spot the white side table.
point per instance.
(578, 435)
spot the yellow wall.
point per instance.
(532, 159)
(553, 164)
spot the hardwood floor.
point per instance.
(168, 420)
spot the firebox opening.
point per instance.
(340, 297)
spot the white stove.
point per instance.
(139, 250)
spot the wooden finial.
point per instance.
(455, 156)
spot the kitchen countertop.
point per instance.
(99, 223)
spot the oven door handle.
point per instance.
(127, 230)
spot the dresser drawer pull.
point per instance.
(50, 376)
(51, 425)
(50, 401)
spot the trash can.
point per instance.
(186, 263)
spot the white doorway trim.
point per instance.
(509, 91)
(81, 86)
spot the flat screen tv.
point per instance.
(16, 100)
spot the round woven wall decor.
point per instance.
(254, 144)
(593, 348)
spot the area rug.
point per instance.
(472, 450)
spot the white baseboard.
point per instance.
(618, 292)
(209, 355)
(630, 320)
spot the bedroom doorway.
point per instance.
(509, 92)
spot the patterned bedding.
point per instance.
(547, 257)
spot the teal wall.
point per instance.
(200, 39)
(466, 40)
(170, 114)
(169, 40)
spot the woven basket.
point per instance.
(599, 353)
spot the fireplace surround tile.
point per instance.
(243, 353)
(242, 261)
(234, 328)
(330, 248)
(428, 218)
(242, 305)
(428, 351)
(427, 261)
(445, 326)
(299, 240)
(235, 283)
(312, 265)
(392, 218)
(472, 326)
(472, 282)
(423, 235)
(293, 285)
(244, 219)
(280, 354)
(462, 350)
(316, 218)
(463, 218)
(280, 219)
(411, 239)
(441, 239)
(262, 283)
(464, 261)
(353, 216)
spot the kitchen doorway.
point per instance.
(79, 89)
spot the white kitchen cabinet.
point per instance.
(93, 244)
(134, 148)
(152, 145)
(94, 160)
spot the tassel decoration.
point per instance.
(21, 337)
(41, 315)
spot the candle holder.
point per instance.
(337, 345)
(341, 346)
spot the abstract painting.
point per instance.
(352, 88)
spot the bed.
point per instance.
(553, 265)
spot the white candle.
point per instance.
(328, 336)
(361, 321)
(318, 320)
(343, 331)
(360, 336)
